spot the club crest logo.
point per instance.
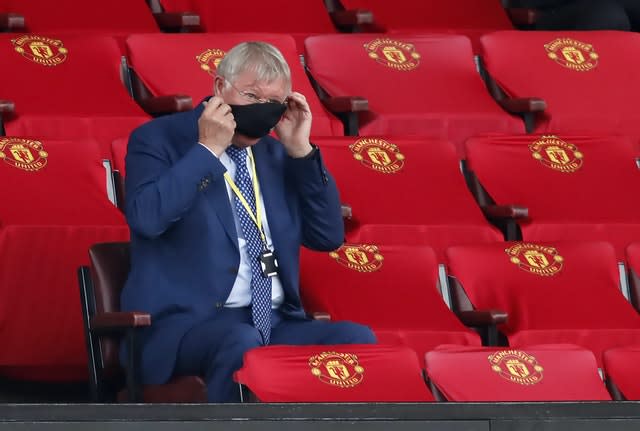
(23, 154)
(41, 50)
(359, 257)
(210, 59)
(557, 154)
(572, 54)
(378, 154)
(517, 367)
(337, 369)
(536, 259)
(393, 53)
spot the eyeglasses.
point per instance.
(253, 98)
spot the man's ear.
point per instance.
(218, 85)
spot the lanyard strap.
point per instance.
(256, 192)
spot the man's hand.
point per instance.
(294, 128)
(216, 125)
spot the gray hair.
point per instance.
(265, 59)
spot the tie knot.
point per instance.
(238, 155)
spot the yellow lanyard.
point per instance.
(256, 191)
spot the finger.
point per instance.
(212, 105)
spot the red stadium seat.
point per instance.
(588, 82)
(632, 254)
(359, 282)
(118, 154)
(341, 373)
(66, 87)
(423, 85)
(574, 187)
(384, 182)
(55, 207)
(194, 58)
(559, 292)
(621, 368)
(535, 373)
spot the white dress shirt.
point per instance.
(240, 295)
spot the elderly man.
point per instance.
(218, 211)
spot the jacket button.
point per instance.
(219, 304)
(233, 270)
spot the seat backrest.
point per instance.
(343, 373)
(118, 154)
(587, 81)
(621, 366)
(535, 373)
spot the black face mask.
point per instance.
(257, 119)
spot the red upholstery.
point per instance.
(575, 187)
(50, 216)
(113, 16)
(559, 292)
(396, 207)
(621, 366)
(297, 18)
(535, 373)
(430, 86)
(340, 373)
(599, 97)
(75, 95)
(363, 282)
(190, 52)
(118, 153)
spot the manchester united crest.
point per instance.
(41, 50)
(23, 154)
(536, 259)
(359, 257)
(378, 154)
(210, 59)
(572, 54)
(337, 369)
(516, 366)
(557, 154)
(393, 53)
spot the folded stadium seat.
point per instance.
(194, 58)
(588, 83)
(360, 282)
(66, 87)
(55, 207)
(340, 373)
(561, 372)
(560, 187)
(404, 191)
(632, 254)
(623, 373)
(555, 292)
(415, 84)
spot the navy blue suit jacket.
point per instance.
(184, 247)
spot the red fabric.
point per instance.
(439, 95)
(396, 295)
(589, 203)
(396, 207)
(187, 76)
(621, 366)
(118, 153)
(115, 16)
(567, 373)
(578, 302)
(284, 374)
(80, 97)
(600, 100)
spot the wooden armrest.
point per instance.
(523, 16)
(321, 315)
(346, 104)
(7, 107)
(346, 211)
(166, 104)
(523, 105)
(482, 317)
(506, 211)
(178, 20)
(11, 22)
(352, 18)
(119, 320)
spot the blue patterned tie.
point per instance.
(260, 284)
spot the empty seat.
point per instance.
(621, 368)
(194, 58)
(586, 79)
(392, 289)
(341, 373)
(535, 373)
(574, 187)
(557, 292)
(415, 84)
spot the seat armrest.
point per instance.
(345, 104)
(119, 321)
(177, 20)
(506, 211)
(523, 105)
(7, 107)
(346, 210)
(162, 105)
(352, 18)
(321, 316)
(482, 317)
(11, 22)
